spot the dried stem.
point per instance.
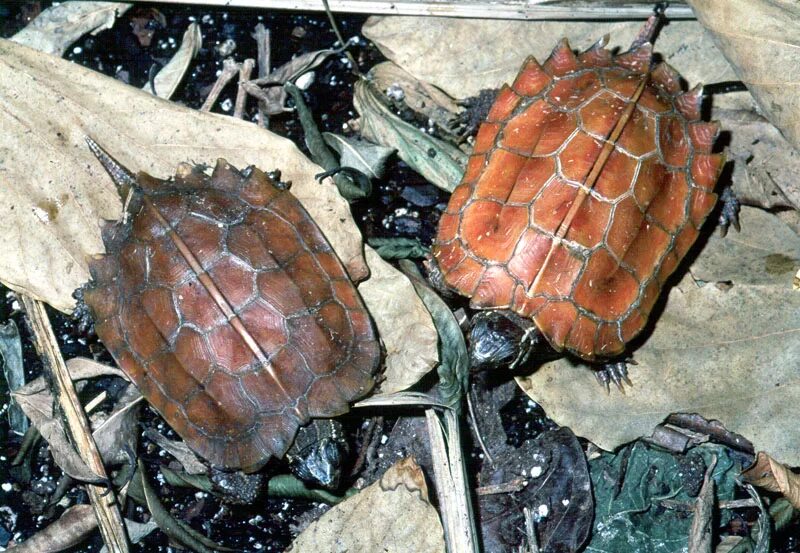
(241, 95)
(262, 37)
(229, 69)
(103, 499)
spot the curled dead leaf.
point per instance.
(773, 476)
(393, 514)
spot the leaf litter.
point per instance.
(749, 252)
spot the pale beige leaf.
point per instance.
(761, 39)
(392, 515)
(463, 56)
(766, 252)
(773, 476)
(404, 325)
(53, 193)
(728, 353)
(171, 75)
(57, 27)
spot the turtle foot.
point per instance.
(729, 215)
(616, 372)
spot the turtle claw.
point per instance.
(729, 215)
(616, 372)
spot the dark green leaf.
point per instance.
(320, 153)
(286, 485)
(630, 485)
(172, 527)
(398, 248)
(361, 155)
(453, 369)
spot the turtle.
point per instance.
(589, 181)
(221, 299)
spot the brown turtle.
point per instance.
(589, 181)
(224, 303)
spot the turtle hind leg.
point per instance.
(615, 371)
(729, 214)
(501, 338)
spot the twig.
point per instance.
(477, 428)
(515, 485)
(451, 482)
(262, 37)
(530, 531)
(229, 69)
(103, 499)
(340, 38)
(241, 94)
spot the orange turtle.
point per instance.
(589, 181)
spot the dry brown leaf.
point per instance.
(765, 165)
(463, 56)
(766, 252)
(54, 192)
(57, 27)
(404, 326)
(394, 515)
(761, 39)
(728, 353)
(420, 97)
(36, 401)
(773, 476)
(171, 75)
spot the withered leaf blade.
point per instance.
(773, 476)
(463, 56)
(760, 38)
(55, 194)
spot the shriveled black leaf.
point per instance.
(558, 493)
(453, 368)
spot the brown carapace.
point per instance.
(223, 302)
(588, 183)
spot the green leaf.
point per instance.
(629, 487)
(286, 485)
(362, 155)
(439, 162)
(183, 479)
(453, 369)
(141, 491)
(398, 248)
(319, 151)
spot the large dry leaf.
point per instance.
(405, 327)
(393, 515)
(463, 56)
(57, 27)
(729, 353)
(776, 477)
(54, 194)
(761, 39)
